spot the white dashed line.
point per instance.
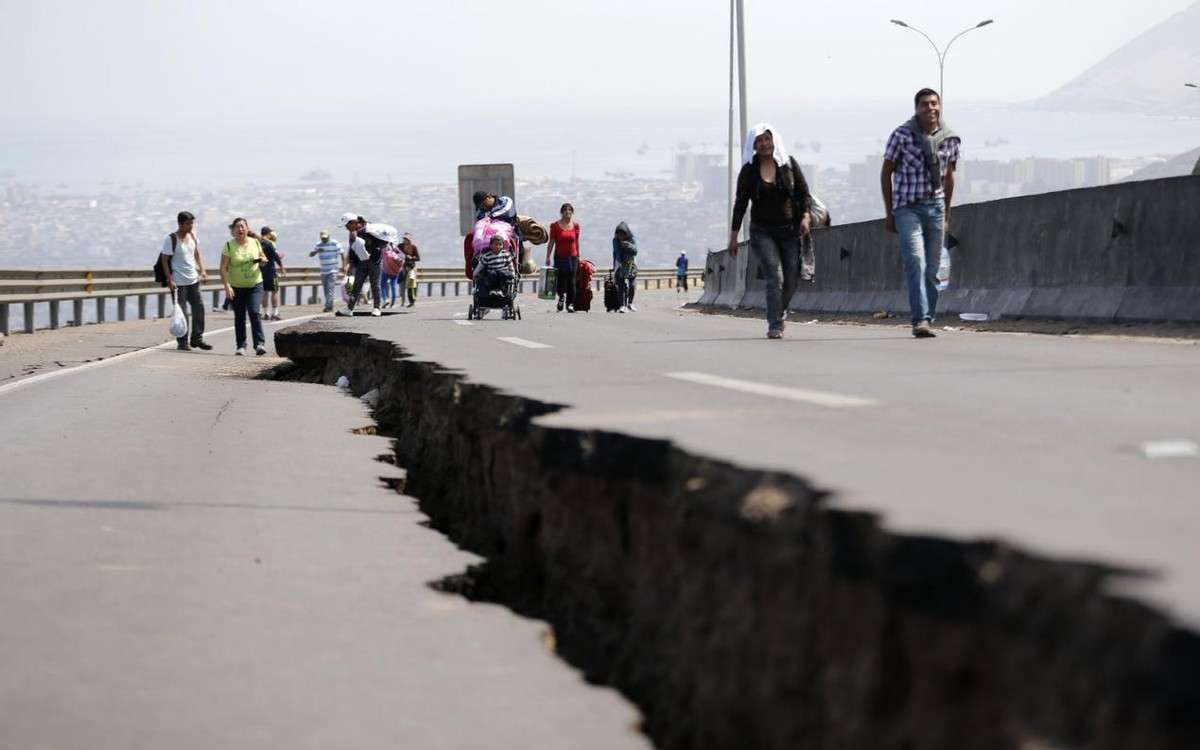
(1170, 449)
(820, 398)
(463, 323)
(524, 342)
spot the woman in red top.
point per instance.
(564, 247)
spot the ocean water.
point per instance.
(415, 150)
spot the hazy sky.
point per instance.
(76, 61)
(264, 89)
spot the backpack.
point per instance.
(160, 277)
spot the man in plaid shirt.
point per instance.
(918, 183)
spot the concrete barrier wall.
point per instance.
(720, 279)
(1128, 252)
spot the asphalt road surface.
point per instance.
(193, 559)
(1070, 447)
(190, 558)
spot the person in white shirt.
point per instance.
(184, 268)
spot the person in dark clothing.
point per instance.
(625, 250)
(681, 270)
(773, 186)
(366, 258)
(270, 300)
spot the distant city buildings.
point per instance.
(124, 225)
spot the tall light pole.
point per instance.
(732, 70)
(941, 53)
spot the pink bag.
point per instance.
(393, 261)
(486, 228)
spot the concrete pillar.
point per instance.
(100, 310)
(162, 305)
(77, 312)
(141, 307)
(443, 289)
(314, 298)
(121, 308)
(28, 317)
(216, 299)
(54, 315)
(4, 318)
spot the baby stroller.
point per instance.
(495, 292)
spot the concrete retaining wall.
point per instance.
(1128, 252)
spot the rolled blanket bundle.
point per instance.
(534, 232)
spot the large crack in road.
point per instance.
(738, 609)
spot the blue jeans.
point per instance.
(778, 252)
(248, 300)
(329, 284)
(389, 286)
(922, 227)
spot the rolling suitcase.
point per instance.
(612, 297)
(583, 300)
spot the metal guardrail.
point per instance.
(30, 287)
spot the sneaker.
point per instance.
(570, 308)
(328, 310)
(410, 304)
(923, 331)
(202, 345)
(346, 312)
(376, 312)
(774, 334)
(621, 309)
(560, 304)
(632, 308)
(259, 349)
(183, 347)
(241, 351)
(275, 316)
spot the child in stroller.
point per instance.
(495, 279)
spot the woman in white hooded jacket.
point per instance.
(774, 188)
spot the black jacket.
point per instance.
(774, 206)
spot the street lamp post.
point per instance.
(941, 53)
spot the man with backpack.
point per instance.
(183, 269)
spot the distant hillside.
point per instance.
(1145, 76)
(1177, 166)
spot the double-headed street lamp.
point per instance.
(941, 53)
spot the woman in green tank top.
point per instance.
(242, 260)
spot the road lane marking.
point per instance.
(125, 356)
(463, 323)
(820, 398)
(524, 342)
(1170, 449)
